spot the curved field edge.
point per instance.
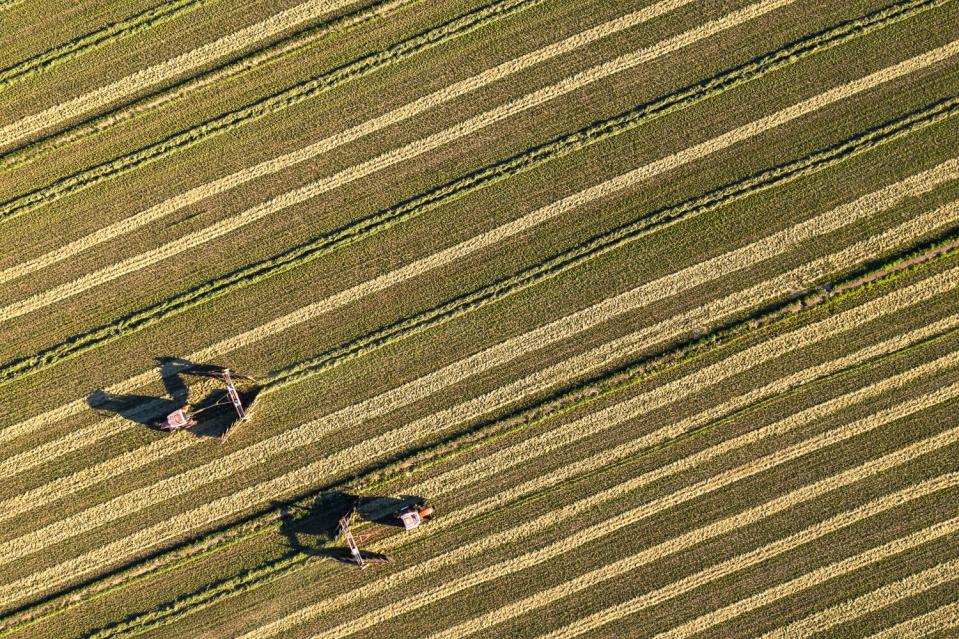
(419, 43)
(81, 45)
(425, 457)
(438, 196)
(293, 44)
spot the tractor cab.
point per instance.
(180, 419)
(185, 417)
(412, 516)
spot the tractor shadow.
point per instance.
(314, 530)
(218, 414)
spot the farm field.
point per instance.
(656, 303)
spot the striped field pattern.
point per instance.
(655, 302)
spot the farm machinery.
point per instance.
(185, 417)
(410, 517)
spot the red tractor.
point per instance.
(413, 516)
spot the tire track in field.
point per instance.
(466, 23)
(678, 544)
(462, 476)
(52, 58)
(372, 448)
(274, 165)
(649, 293)
(277, 50)
(458, 479)
(491, 174)
(889, 594)
(938, 620)
(757, 556)
(192, 60)
(449, 135)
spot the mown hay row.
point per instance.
(941, 619)
(649, 293)
(612, 417)
(582, 320)
(397, 156)
(275, 50)
(718, 84)
(183, 63)
(824, 620)
(692, 538)
(331, 142)
(339, 462)
(51, 58)
(484, 177)
(461, 477)
(361, 67)
(757, 556)
(432, 142)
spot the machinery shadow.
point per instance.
(313, 530)
(218, 415)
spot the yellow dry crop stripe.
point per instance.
(609, 383)
(611, 240)
(272, 52)
(438, 196)
(269, 571)
(268, 105)
(80, 45)
(397, 53)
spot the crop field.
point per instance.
(654, 302)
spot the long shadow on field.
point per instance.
(217, 414)
(313, 530)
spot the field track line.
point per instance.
(145, 78)
(824, 620)
(274, 165)
(692, 538)
(80, 45)
(472, 125)
(503, 169)
(361, 67)
(757, 556)
(935, 621)
(457, 479)
(331, 464)
(733, 261)
(785, 56)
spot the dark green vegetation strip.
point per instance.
(167, 559)
(614, 239)
(80, 45)
(268, 54)
(457, 188)
(574, 396)
(269, 105)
